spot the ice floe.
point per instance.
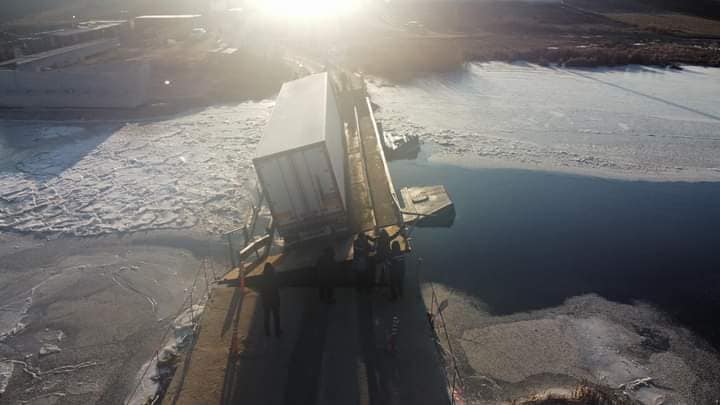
(6, 372)
(49, 348)
(92, 179)
(638, 122)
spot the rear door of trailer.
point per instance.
(325, 181)
(300, 185)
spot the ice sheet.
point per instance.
(639, 122)
(93, 178)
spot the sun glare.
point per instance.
(306, 9)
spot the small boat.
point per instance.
(399, 146)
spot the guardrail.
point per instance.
(247, 231)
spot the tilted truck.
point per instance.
(300, 160)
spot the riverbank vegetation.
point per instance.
(438, 36)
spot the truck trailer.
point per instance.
(300, 160)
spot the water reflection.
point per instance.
(528, 240)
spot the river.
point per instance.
(577, 254)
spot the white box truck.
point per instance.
(300, 160)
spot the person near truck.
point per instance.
(270, 294)
(382, 252)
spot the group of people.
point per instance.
(386, 265)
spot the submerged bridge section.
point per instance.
(372, 202)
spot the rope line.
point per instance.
(456, 382)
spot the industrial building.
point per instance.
(60, 57)
(123, 85)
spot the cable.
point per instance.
(434, 299)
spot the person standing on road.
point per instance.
(325, 267)
(270, 294)
(382, 251)
(397, 271)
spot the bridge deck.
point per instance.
(371, 195)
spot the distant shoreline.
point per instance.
(473, 162)
(431, 36)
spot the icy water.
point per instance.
(633, 122)
(528, 240)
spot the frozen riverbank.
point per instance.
(81, 316)
(634, 122)
(587, 338)
(89, 179)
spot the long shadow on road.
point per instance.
(336, 354)
(306, 359)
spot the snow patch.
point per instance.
(185, 324)
(12, 316)
(156, 372)
(6, 372)
(49, 348)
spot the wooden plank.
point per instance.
(254, 246)
(363, 217)
(384, 205)
(360, 212)
(371, 199)
(422, 202)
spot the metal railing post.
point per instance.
(231, 250)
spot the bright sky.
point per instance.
(306, 9)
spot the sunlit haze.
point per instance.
(413, 202)
(305, 9)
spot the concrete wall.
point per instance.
(94, 86)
